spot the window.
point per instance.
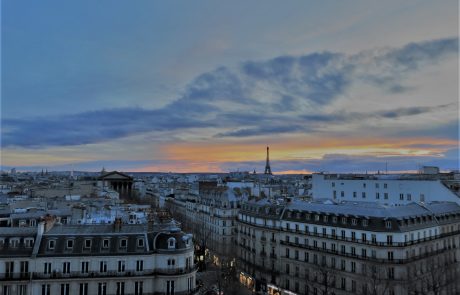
(171, 243)
(365, 222)
(334, 219)
(342, 194)
(364, 237)
(389, 239)
(139, 265)
(354, 221)
(103, 266)
(84, 266)
(22, 290)
(121, 265)
(385, 185)
(87, 243)
(105, 243)
(364, 185)
(102, 289)
(170, 287)
(343, 283)
(422, 198)
(377, 196)
(409, 197)
(65, 289)
(353, 251)
(138, 288)
(83, 289)
(391, 273)
(353, 266)
(69, 244)
(385, 196)
(364, 253)
(344, 220)
(120, 288)
(354, 194)
(171, 262)
(123, 243)
(9, 269)
(140, 242)
(51, 245)
(401, 196)
(287, 252)
(374, 239)
(29, 242)
(46, 289)
(376, 185)
(24, 268)
(388, 224)
(66, 267)
(390, 255)
(47, 268)
(363, 195)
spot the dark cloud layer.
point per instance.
(283, 94)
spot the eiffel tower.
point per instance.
(268, 170)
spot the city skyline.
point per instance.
(168, 87)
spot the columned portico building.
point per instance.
(119, 182)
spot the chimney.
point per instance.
(117, 224)
(49, 222)
(150, 222)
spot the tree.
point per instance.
(323, 278)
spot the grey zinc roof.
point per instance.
(367, 209)
(101, 229)
(18, 231)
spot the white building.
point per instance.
(390, 189)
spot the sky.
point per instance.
(205, 86)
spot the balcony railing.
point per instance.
(97, 274)
(354, 255)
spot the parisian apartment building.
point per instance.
(100, 259)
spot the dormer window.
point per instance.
(14, 242)
(123, 243)
(69, 244)
(87, 243)
(2, 242)
(51, 244)
(140, 242)
(388, 224)
(365, 222)
(105, 243)
(344, 220)
(171, 243)
(353, 221)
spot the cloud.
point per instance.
(90, 127)
(281, 95)
(314, 122)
